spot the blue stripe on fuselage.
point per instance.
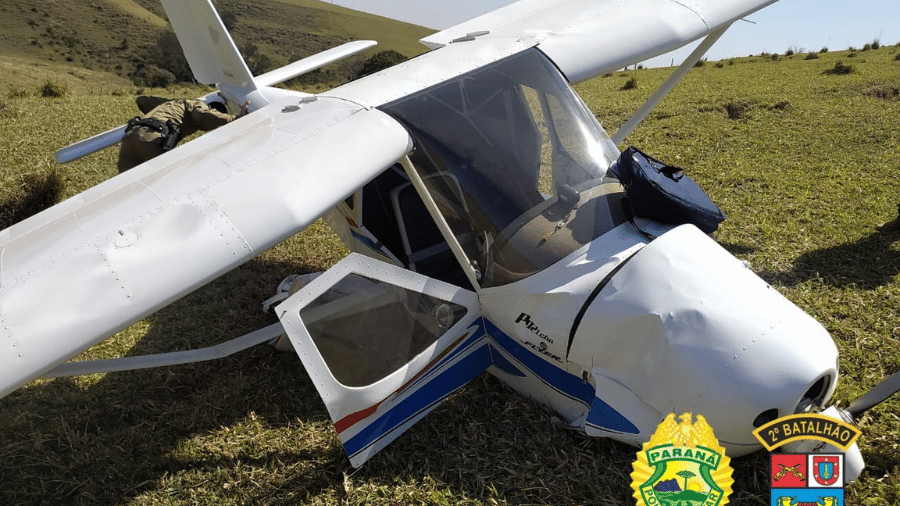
(442, 380)
(601, 415)
(559, 379)
(425, 398)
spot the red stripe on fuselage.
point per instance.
(353, 418)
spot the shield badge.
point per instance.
(826, 469)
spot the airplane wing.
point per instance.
(88, 267)
(433, 14)
(583, 38)
(587, 38)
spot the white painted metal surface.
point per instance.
(86, 268)
(430, 69)
(214, 352)
(85, 147)
(313, 62)
(586, 38)
(209, 49)
(688, 328)
(375, 412)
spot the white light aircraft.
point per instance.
(488, 233)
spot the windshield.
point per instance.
(516, 164)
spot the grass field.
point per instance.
(803, 162)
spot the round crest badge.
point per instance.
(682, 463)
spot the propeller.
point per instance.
(880, 393)
(853, 460)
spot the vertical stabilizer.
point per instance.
(209, 49)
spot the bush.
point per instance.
(52, 89)
(897, 57)
(380, 61)
(16, 92)
(168, 56)
(824, 49)
(630, 84)
(876, 44)
(840, 68)
(258, 63)
(229, 19)
(811, 56)
(152, 76)
(28, 195)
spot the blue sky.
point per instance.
(787, 24)
(808, 25)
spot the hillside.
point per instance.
(115, 40)
(802, 154)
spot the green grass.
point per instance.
(803, 164)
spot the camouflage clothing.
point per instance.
(144, 141)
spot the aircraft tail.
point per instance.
(210, 51)
(214, 59)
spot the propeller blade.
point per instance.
(875, 396)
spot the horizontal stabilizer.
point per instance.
(106, 139)
(310, 63)
(90, 145)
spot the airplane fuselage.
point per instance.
(611, 320)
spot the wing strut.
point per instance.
(220, 350)
(667, 86)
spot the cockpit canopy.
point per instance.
(516, 163)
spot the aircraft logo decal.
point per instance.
(682, 463)
(525, 319)
(570, 385)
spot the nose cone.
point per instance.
(688, 328)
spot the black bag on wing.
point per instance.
(663, 193)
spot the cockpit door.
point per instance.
(383, 346)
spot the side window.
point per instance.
(366, 329)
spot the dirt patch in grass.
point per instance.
(883, 91)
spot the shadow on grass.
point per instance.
(116, 438)
(251, 429)
(868, 264)
(737, 250)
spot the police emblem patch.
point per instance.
(682, 463)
